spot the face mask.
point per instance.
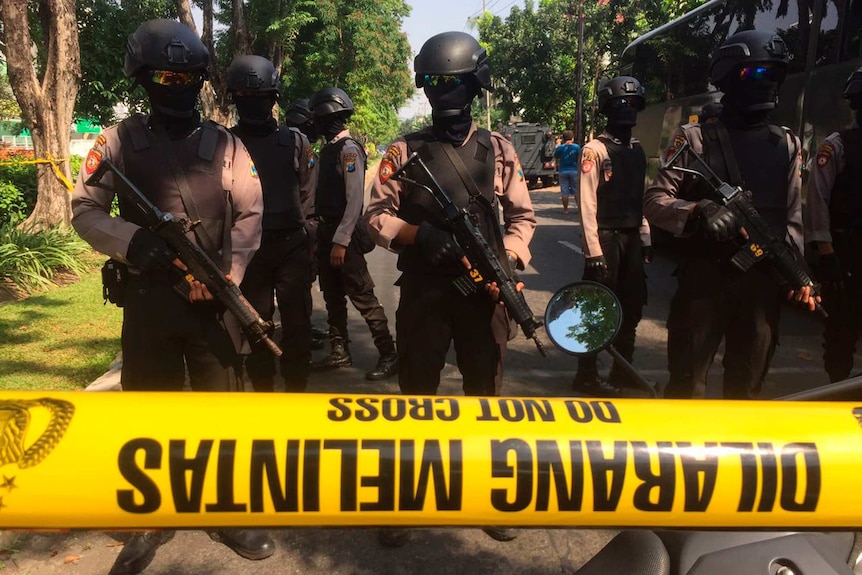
(330, 126)
(450, 98)
(626, 117)
(755, 88)
(453, 129)
(254, 110)
(173, 101)
(310, 131)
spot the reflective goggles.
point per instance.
(442, 80)
(171, 78)
(760, 72)
(623, 102)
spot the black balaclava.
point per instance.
(331, 125)
(750, 101)
(255, 110)
(450, 109)
(309, 129)
(173, 101)
(621, 121)
(173, 108)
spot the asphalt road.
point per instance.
(556, 262)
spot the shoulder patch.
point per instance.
(824, 154)
(349, 159)
(309, 156)
(252, 169)
(94, 158)
(588, 160)
(100, 141)
(678, 140)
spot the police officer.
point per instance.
(192, 169)
(341, 265)
(616, 236)
(452, 68)
(714, 300)
(300, 117)
(282, 264)
(834, 223)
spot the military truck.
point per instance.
(535, 146)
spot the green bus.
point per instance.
(672, 61)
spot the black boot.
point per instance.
(500, 533)
(318, 337)
(339, 356)
(249, 543)
(595, 386)
(387, 366)
(139, 550)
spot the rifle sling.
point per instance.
(474, 192)
(200, 232)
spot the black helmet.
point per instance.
(451, 54)
(621, 86)
(164, 45)
(298, 113)
(745, 48)
(853, 86)
(252, 74)
(328, 101)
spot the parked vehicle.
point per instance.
(535, 146)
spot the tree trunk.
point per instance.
(212, 107)
(47, 104)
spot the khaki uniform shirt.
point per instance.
(827, 164)
(305, 165)
(593, 160)
(111, 235)
(509, 187)
(663, 207)
(352, 161)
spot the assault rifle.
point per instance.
(762, 243)
(200, 266)
(485, 265)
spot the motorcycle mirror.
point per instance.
(583, 318)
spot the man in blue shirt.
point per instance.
(568, 155)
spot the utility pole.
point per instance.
(579, 83)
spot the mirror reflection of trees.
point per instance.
(583, 318)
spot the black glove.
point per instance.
(828, 269)
(647, 253)
(595, 269)
(437, 246)
(717, 222)
(148, 252)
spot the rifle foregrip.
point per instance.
(249, 319)
(520, 311)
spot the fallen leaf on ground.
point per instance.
(71, 559)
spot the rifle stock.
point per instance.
(200, 266)
(486, 267)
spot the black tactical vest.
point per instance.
(331, 198)
(621, 186)
(273, 154)
(417, 204)
(201, 154)
(845, 204)
(763, 160)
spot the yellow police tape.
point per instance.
(49, 160)
(126, 460)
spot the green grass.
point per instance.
(60, 339)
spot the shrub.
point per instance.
(29, 259)
(13, 207)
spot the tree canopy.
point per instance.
(533, 52)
